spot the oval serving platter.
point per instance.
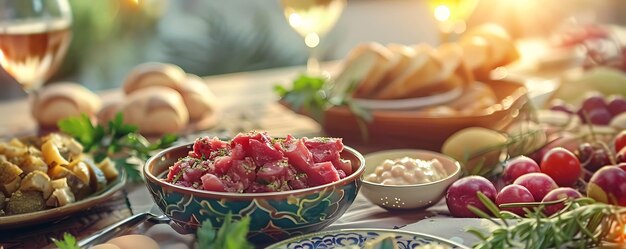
(352, 237)
(27, 219)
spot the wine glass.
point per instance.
(451, 16)
(312, 19)
(34, 37)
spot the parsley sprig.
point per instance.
(68, 242)
(231, 235)
(314, 95)
(119, 141)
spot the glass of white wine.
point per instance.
(451, 16)
(34, 37)
(312, 19)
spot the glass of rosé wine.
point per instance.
(34, 37)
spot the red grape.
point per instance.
(562, 165)
(539, 184)
(517, 167)
(464, 191)
(598, 117)
(514, 194)
(558, 194)
(617, 105)
(620, 141)
(592, 102)
(622, 166)
(592, 157)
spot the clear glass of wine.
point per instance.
(34, 37)
(312, 19)
(451, 16)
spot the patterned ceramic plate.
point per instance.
(27, 219)
(351, 237)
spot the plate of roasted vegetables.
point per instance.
(50, 177)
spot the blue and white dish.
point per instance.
(352, 237)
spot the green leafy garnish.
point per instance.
(232, 234)
(117, 140)
(68, 242)
(307, 94)
(314, 95)
(583, 223)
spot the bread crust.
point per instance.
(154, 74)
(61, 100)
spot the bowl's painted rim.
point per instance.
(359, 230)
(355, 176)
(456, 173)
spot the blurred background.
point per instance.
(208, 37)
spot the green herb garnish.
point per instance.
(117, 140)
(307, 95)
(232, 234)
(583, 223)
(68, 242)
(314, 95)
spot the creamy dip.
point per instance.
(406, 170)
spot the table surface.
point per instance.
(247, 102)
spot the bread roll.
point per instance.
(108, 111)
(501, 48)
(198, 98)
(58, 101)
(154, 74)
(383, 61)
(475, 50)
(424, 70)
(404, 55)
(156, 110)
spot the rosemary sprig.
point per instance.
(583, 223)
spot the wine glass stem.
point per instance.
(312, 64)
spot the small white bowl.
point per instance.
(408, 196)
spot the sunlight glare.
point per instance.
(312, 40)
(442, 13)
(295, 20)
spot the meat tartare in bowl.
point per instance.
(288, 186)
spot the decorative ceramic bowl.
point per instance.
(351, 237)
(275, 216)
(408, 196)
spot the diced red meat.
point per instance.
(325, 171)
(256, 187)
(263, 153)
(237, 152)
(343, 165)
(273, 171)
(222, 164)
(241, 139)
(211, 182)
(254, 162)
(243, 171)
(341, 174)
(328, 150)
(204, 146)
(193, 174)
(300, 181)
(301, 159)
(173, 171)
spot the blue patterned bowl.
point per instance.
(352, 237)
(275, 216)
